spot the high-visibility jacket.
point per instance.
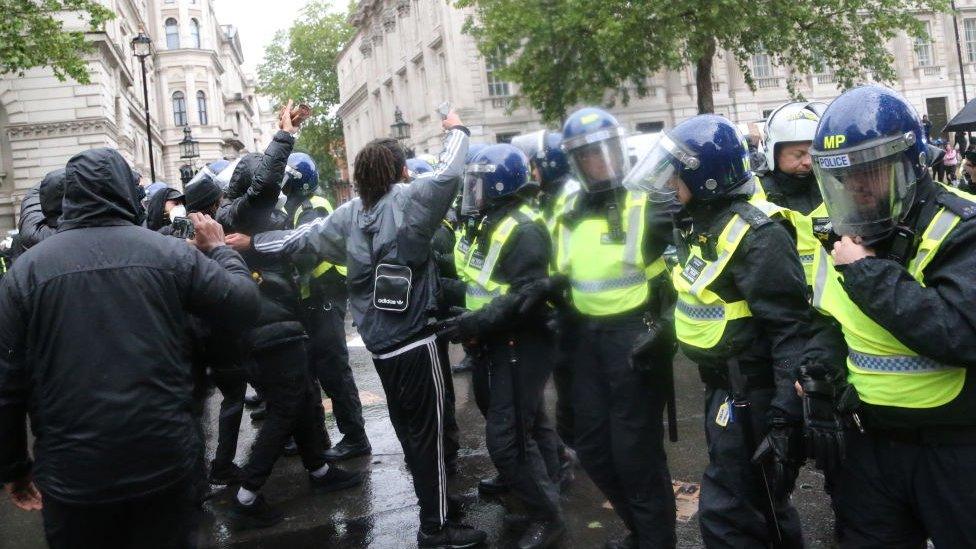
(884, 371)
(812, 231)
(607, 276)
(701, 316)
(476, 269)
(318, 203)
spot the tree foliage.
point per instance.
(32, 35)
(566, 52)
(300, 64)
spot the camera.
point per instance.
(183, 228)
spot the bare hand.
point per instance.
(452, 120)
(847, 251)
(239, 242)
(799, 389)
(208, 234)
(24, 494)
(284, 119)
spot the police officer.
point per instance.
(550, 168)
(789, 181)
(324, 296)
(609, 248)
(903, 293)
(510, 250)
(742, 316)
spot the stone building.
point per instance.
(412, 55)
(194, 78)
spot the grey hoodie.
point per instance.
(396, 230)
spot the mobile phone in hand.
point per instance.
(444, 109)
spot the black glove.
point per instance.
(823, 429)
(449, 328)
(540, 291)
(780, 452)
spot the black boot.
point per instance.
(256, 515)
(259, 413)
(223, 475)
(335, 479)
(541, 534)
(291, 447)
(492, 486)
(349, 448)
(451, 536)
(465, 365)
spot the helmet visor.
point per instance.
(291, 181)
(223, 178)
(866, 199)
(473, 197)
(657, 172)
(600, 160)
(204, 173)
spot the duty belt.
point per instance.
(895, 363)
(717, 377)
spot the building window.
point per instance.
(172, 34)
(179, 109)
(649, 127)
(194, 33)
(923, 47)
(505, 137)
(969, 26)
(762, 67)
(202, 107)
(496, 86)
(170, 1)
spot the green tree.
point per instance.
(565, 52)
(32, 35)
(300, 64)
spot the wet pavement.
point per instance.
(382, 513)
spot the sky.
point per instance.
(257, 21)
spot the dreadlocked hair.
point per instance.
(398, 152)
(374, 172)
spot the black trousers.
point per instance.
(230, 381)
(562, 376)
(165, 520)
(294, 409)
(896, 494)
(413, 381)
(329, 358)
(732, 494)
(530, 474)
(620, 432)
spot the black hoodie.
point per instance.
(93, 346)
(40, 209)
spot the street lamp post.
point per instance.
(399, 129)
(189, 149)
(142, 48)
(962, 68)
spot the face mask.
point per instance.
(177, 211)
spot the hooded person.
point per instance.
(277, 344)
(164, 206)
(109, 474)
(35, 225)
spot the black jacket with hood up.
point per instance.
(93, 343)
(250, 208)
(40, 209)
